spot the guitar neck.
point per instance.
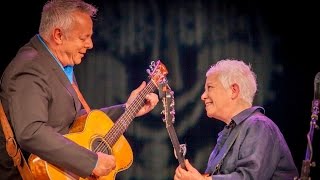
(168, 104)
(179, 152)
(126, 118)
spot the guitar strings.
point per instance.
(124, 120)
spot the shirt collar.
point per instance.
(68, 70)
(246, 113)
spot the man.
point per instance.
(39, 99)
(250, 146)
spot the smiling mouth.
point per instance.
(208, 103)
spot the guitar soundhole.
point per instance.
(100, 145)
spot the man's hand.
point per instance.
(151, 100)
(105, 164)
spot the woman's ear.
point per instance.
(235, 90)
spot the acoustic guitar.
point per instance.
(107, 137)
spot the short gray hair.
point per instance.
(231, 71)
(58, 13)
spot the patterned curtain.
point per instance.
(187, 36)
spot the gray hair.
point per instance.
(232, 71)
(58, 13)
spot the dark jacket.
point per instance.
(41, 105)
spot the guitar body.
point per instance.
(86, 131)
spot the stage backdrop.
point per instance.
(187, 36)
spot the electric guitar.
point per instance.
(167, 97)
(107, 137)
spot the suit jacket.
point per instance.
(41, 105)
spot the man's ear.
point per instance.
(57, 35)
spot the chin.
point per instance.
(78, 62)
(209, 115)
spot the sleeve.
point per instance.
(114, 112)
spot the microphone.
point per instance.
(308, 162)
(316, 97)
(317, 86)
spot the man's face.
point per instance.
(76, 40)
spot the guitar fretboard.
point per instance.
(126, 118)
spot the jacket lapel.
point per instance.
(51, 64)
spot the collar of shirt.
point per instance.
(68, 70)
(231, 125)
(237, 119)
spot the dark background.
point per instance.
(294, 22)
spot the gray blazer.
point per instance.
(41, 105)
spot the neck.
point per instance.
(46, 43)
(236, 109)
(51, 48)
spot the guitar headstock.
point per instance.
(168, 105)
(157, 72)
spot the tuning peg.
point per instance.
(148, 71)
(152, 65)
(172, 104)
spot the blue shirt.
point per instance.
(259, 151)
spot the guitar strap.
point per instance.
(217, 161)
(13, 149)
(81, 98)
